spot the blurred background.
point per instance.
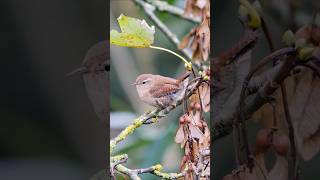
(151, 144)
(226, 31)
(48, 126)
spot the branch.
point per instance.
(149, 10)
(164, 6)
(115, 161)
(153, 116)
(223, 124)
(156, 170)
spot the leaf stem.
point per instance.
(172, 52)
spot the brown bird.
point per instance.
(160, 91)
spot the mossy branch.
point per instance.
(156, 170)
(147, 118)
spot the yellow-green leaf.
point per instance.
(134, 33)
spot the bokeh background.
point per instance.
(226, 31)
(151, 144)
(48, 126)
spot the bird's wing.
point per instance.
(164, 89)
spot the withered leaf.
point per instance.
(205, 96)
(242, 174)
(206, 137)
(195, 148)
(195, 132)
(200, 40)
(305, 109)
(185, 41)
(304, 104)
(179, 138)
(280, 169)
(199, 37)
(191, 8)
(202, 3)
(310, 33)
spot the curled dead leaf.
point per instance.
(195, 7)
(195, 132)
(310, 33)
(204, 90)
(198, 38)
(179, 138)
(305, 108)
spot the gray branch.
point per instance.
(223, 125)
(164, 6)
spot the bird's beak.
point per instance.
(133, 84)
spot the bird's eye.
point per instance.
(144, 82)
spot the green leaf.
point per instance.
(134, 33)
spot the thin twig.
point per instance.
(285, 106)
(149, 10)
(156, 170)
(165, 7)
(291, 130)
(223, 124)
(153, 116)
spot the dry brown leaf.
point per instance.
(243, 174)
(228, 177)
(305, 109)
(195, 149)
(304, 32)
(192, 8)
(247, 175)
(195, 132)
(200, 41)
(280, 169)
(309, 33)
(179, 138)
(199, 37)
(202, 3)
(206, 137)
(183, 163)
(204, 90)
(197, 121)
(186, 39)
(205, 96)
(304, 103)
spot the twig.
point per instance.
(291, 130)
(285, 106)
(143, 119)
(156, 170)
(164, 6)
(116, 160)
(223, 124)
(153, 116)
(149, 10)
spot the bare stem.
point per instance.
(165, 7)
(149, 10)
(156, 170)
(172, 52)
